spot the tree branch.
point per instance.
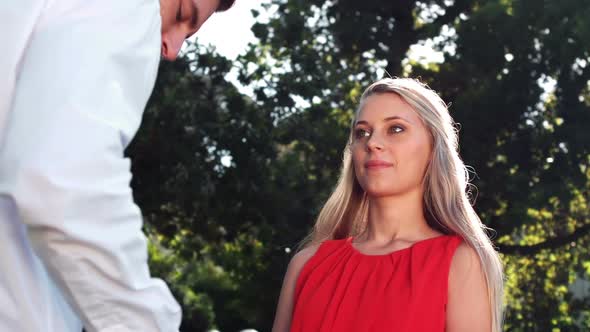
(547, 244)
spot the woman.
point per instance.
(397, 246)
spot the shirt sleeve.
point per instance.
(18, 21)
(87, 72)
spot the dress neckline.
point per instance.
(395, 252)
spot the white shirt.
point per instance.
(75, 76)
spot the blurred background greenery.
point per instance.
(230, 174)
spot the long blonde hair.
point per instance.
(446, 194)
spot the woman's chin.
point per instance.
(388, 191)
(381, 193)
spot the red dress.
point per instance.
(340, 289)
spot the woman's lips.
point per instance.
(377, 164)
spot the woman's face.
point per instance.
(391, 147)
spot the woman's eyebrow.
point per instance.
(395, 117)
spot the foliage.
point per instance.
(223, 229)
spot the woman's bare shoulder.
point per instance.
(300, 258)
(467, 289)
(285, 306)
(465, 261)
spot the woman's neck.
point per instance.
(397, 217)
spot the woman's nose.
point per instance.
(374, 142)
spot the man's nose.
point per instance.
(170, 47)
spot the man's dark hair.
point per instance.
(225, 5)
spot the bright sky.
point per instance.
(230, 31)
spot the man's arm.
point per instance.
(18, 21)
(85, 78)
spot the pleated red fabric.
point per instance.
(341, 289)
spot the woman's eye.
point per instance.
(396, 129)
(361, 133)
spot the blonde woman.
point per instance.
(397, 246)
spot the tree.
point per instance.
(528, 145)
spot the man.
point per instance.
(75, 77)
